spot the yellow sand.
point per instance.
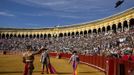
(12, 65)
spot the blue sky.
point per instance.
(50, 13)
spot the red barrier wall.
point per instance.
(111, 66)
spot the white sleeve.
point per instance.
(24, 54)
(41, 57)
(70, 59)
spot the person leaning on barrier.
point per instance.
(4, 52)
(28, 59)
(58, 55)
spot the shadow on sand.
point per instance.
(88, 72)
(64, 73)
(4, 72)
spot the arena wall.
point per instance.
(123, 20)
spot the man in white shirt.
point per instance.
(45, 60)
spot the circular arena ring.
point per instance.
(13, 65)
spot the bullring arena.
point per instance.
(104, 46)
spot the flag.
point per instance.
(118, 3)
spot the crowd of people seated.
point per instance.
(110, 43)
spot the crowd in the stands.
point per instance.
(108, 43)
